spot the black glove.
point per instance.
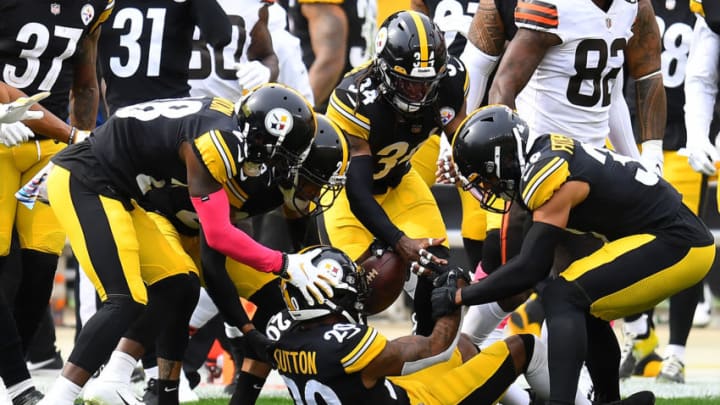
(460, 274)
(261, 345)
(443, 296)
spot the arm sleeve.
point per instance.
(214, 213)
(213, 23)
(364, 206)
(220, 287)
(621, 132)
(701, 80)
(522, 272)
(479, 66)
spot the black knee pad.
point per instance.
(560, 295)
(102, 332)
(173, 340)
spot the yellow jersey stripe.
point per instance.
(422, 36)
(350, 123)
(224, 152)
(212, 157)
(545, 183)
(103, 16)
(369, 347)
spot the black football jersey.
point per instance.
(145, 47)
(456, 9)
(140, 144)
(322, 364)
(676, 22)
(361, 17)
(624, 199)
(360, 110)
(38, 41)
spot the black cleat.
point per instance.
(638, 398)
(30, 396)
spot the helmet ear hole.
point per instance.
(488, 150)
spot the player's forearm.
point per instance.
(49, 125)
(651, 106)
(85, 95)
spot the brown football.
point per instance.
(386, 277)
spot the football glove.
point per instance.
(15, 133)
(443, 295)
(18, 110)
(702, 155)
(652, 156)
(300, 272)
(251, 74)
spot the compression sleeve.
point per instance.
(522, 272)
(214, 213)
(621, 132)
(214, 24)
(701, 80)
(479, 66)
(364, 206)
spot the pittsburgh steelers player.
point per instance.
(205, 144)
(49, 48)
(388, 107)
(16, 107)
(570, 186)
(564, 91)
(328, 351)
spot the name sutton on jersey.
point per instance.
(296, 362)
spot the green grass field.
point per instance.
(285, 401)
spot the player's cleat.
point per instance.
(636, 351)
(703, 310)
(638, 398)
(53, 363)
(101, 392)
(673, 370)
(30, 396)
(527, 318)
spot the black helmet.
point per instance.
(348, 295)
(411, 58)
(277, 123)
(322, 174)
(488, 150)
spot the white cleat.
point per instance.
(99, 392)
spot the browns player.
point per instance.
(48, 48)
(201, 143)
(335, 35)
(388, 107)
(640, 215)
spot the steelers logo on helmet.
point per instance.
(279, 122)
(380, 40)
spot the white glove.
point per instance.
(15, 133)
(309, 279)
(701, 155)
(18, 109)
(251, 74)
(652, 156)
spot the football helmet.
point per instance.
(278, 125)
(410, 59)
(349, 293)
(488, 149)
(322, 175)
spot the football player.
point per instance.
(50, 48)
(336, 36)
(556, 178)
(328, 351)
(205, 144)
(145, 48)
(388, 107)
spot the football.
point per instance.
(386, 276)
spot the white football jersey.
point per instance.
(571, 89)
(211, 70)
